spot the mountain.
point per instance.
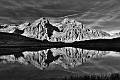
(72, 30)
(91, 13)
(68, 30)
(117, 34)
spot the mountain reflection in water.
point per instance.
(66, 57)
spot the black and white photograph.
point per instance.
(59, 39)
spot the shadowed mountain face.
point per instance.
(95, 12)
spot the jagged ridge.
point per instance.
(68, 30)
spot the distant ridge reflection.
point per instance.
(66, 57)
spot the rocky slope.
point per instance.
(68, 30)
(72, 30)
(117, 34)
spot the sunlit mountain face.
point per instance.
(68, 31)
(66, 60)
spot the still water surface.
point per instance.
(59, 62)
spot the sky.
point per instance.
(98, 14)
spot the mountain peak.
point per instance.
(68, 30)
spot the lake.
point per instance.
(47, 63)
